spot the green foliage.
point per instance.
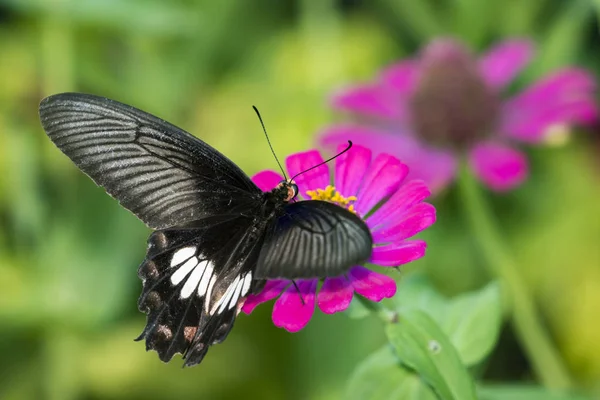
(358, 309)
(69, 253)
(382, 377)
(154, 18)
(423, 347)
(472, 321)
(433, 339)
(523, 392)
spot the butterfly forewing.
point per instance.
(314, 239)
(161, 173)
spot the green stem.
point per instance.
(544, 357)
(378, 308)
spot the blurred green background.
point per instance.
(69, 253)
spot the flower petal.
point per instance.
(499, 166)
(401, 77)
(267, 180)
(271, 290)
(350, 168)
(564, 98)
(371, 99)
(372, 285)
(293, 312)
(317, 178)
(383, 178)
(500, 65)
(335, 295)
(436, 167)
(413, 221)
(401, 253)
(408, 195)
(565, 82)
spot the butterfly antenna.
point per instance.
(268, 141)
(299, 292)
(326, 161)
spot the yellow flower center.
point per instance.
(331, 195)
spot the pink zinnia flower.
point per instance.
(430, 110)
(374, 190)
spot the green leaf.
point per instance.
(421, 17)
(421, 345)
(473, 323)
(562, 41)
(157, 18)
(357, 309)
(417, 292)
(471, 18)
(381, 377)
(472, 320)
(522, 392)
(517, 18)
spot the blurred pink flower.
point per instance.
(430, 110)
(360, 183)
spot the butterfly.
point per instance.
(216, 236)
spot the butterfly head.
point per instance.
(287, 190)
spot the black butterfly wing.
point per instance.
(314, 239)
(161, 173)
(199, 262)
(194, 282)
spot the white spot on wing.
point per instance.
(182, 254)
(236, 294)
(225, 299)
(247, 282)
(192, 282)
(218, 303)
(183, 271)
(205, 278)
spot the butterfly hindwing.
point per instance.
(161, 173)
(194, 280)
(314, 239)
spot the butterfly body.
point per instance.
(217, 237)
